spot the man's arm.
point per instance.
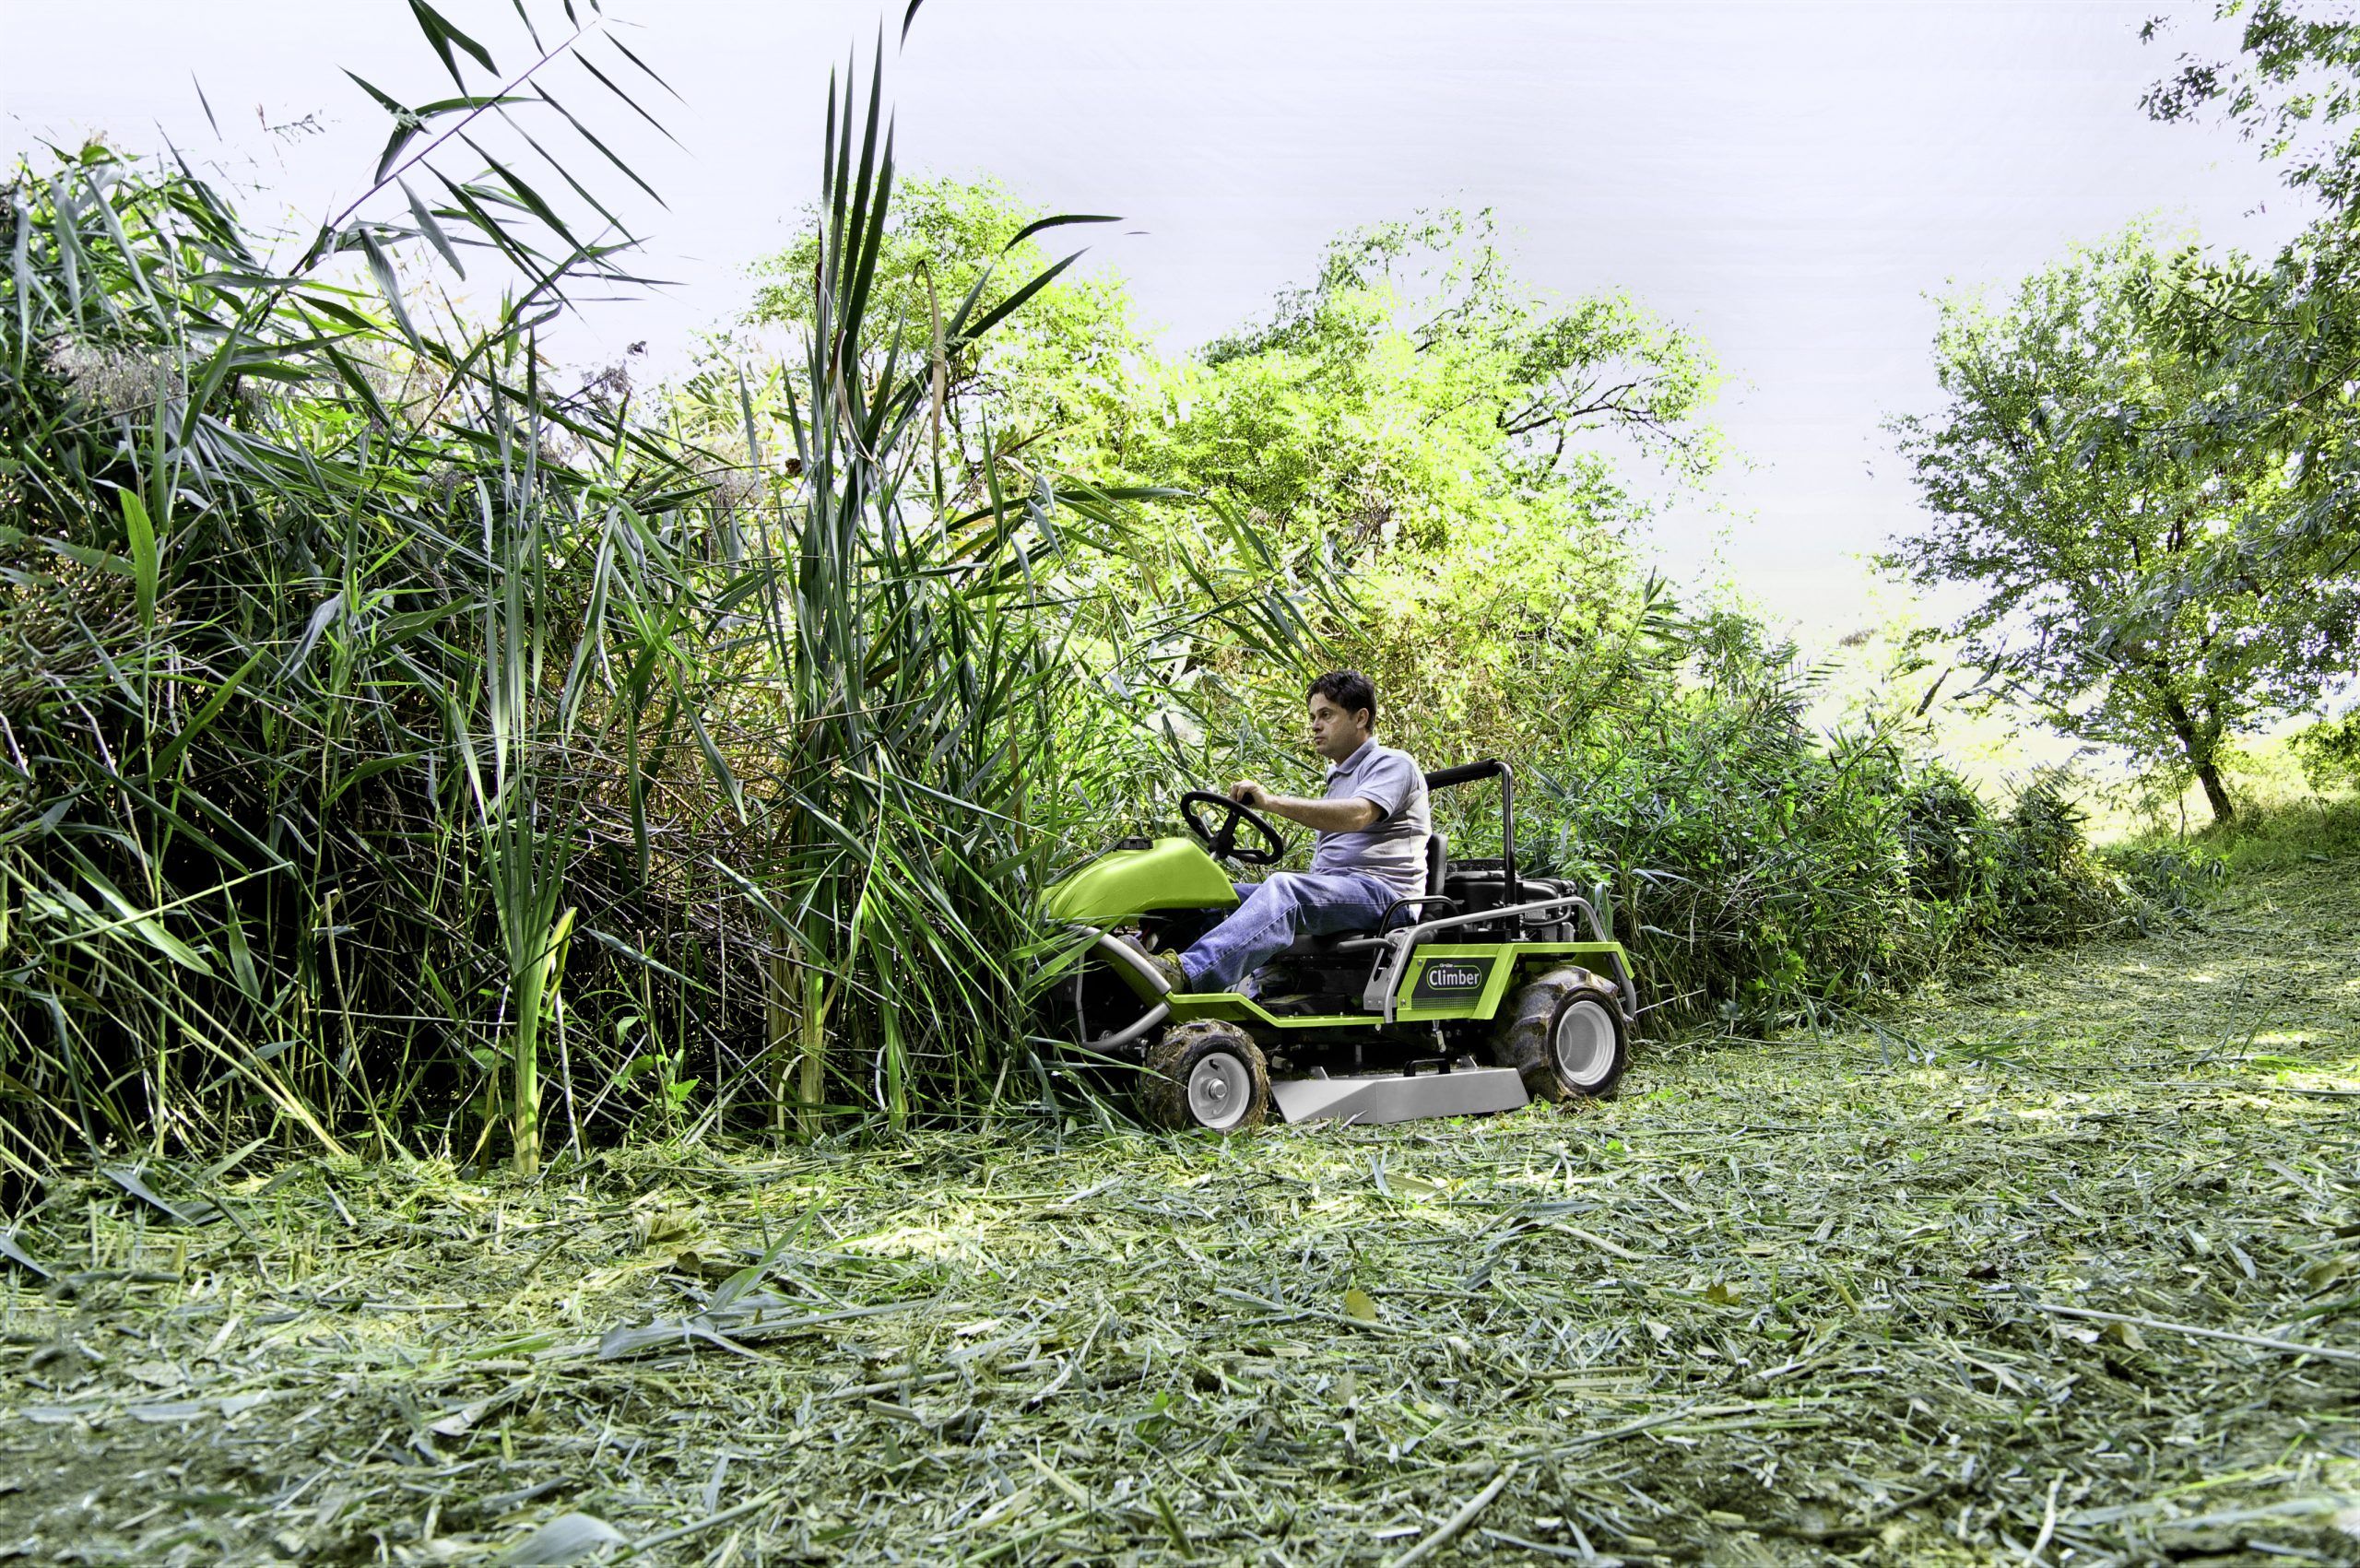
(1350, 816)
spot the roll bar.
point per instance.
(1469, 772)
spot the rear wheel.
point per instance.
(1564, 1036)
(1205, 1076)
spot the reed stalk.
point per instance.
(370, 704)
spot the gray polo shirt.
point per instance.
(1392, 847)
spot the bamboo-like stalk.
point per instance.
(779, 1012)
(532, 996)
(812, 1061)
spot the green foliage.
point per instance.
(381, 720)
(2295, 90)
(1418, 388)
(2085, 535)
(2290, 833)
(2329, 753)
(1044, 383)
(2278, 341)
(1769, 875)
(1416, 418)
(287, 581)
(2173, 878)
(1450, 438)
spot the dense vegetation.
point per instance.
(1456, 447)
(382, 719)
(407, 751)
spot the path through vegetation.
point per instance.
(2018, 1274)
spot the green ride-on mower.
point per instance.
(1488, 991)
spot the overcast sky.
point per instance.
(1792, 180)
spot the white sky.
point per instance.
(1791, 181)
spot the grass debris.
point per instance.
(2064, 1266)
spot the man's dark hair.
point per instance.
(1348, 689)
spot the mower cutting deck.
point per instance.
(1488, 991)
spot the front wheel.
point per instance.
(1564, 1036)
(1208, 1076)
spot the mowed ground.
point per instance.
(1814, 1300)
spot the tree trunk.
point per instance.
(2216, 794)
(2201, 744)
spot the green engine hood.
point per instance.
(1168, 874)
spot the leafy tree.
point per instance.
(1457, 439)
(2329, 753)
(2295, 89)
(1416, 417)
(2279, 341)
(1418, 382)
(2055, 490)
(1041, 385)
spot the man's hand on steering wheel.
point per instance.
(1222, 842)
(1249, 792)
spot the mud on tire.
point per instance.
(1563, 1034)
(1205, 1076)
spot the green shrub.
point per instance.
(2329, 753)
(1770, 874)
(2281, 834)
(2172, 879)
(2045, 885)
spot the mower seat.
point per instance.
(1438, 869)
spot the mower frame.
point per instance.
(1436, 990)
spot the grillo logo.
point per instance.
(1453, 977)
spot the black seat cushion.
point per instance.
(1313, 946)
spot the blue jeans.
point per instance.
(1290, 905)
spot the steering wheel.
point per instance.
(1221, 843)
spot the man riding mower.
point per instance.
(1384, 984)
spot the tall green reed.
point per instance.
(373, 710)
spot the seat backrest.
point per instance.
(1437, 863)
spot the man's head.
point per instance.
(1343, 712)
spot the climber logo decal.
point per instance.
(1452, 980)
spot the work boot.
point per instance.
(1175, 976)
(1162, 962)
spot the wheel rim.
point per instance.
(1584, 1045)
(1220, 1091)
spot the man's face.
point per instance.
(1336, 734)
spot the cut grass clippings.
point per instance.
(2064, 1267)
